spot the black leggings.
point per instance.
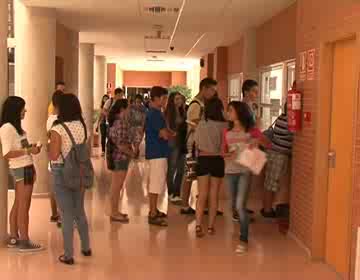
(103, 131)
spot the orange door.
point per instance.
(338, 233)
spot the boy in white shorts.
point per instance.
(156, 153)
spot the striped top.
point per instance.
(283, 138)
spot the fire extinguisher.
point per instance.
(294, 100)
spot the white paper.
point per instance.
(254, 159)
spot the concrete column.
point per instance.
(111, 76)
(3, 95)
(35, 62)
(86, 84)
(100, 80)
(249, 55)
(72, 67)
(221, 72)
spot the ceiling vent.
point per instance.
(156, 44)
(160, 10)
(155, 60)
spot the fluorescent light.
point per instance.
(177, 23)
(196, 43)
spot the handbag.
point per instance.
(269, 133)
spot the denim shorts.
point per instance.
(26, 174)
(121, 165)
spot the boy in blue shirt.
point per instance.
(156, 153)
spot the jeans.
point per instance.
(103, 131)
(239, 185)
(176, 169)
(71, 204)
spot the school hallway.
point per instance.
(137, 251)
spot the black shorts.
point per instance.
(213, 166)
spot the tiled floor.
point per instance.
(137, 251)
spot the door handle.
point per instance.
(332, 159)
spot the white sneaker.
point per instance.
(176, 199)
(171, 197)
(242, 248)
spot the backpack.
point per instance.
(78, 168)
(201, 107)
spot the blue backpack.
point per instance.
(78, 168)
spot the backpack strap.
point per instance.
(71, 136)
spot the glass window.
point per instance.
(235, 84)
(275, 83)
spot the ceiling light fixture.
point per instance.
(177, 23)
(196, 43)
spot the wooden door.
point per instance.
(338, 233)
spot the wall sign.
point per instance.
(272, 83)
(303, 65)
(310, 71)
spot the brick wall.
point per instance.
(319, 22)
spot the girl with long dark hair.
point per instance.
(236, 139)
(176, 121)
(119, 153)
(71, 202)
(17, 150)
(211, 165)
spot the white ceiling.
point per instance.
(118, 27)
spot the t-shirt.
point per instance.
(108, 104)
(253, 114)
(283, 138)
(50, 121)
(209, 136)
(235, 141)
(194, 112)
(77, 130)
(155, 147)
(12, 141)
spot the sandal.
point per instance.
(211, 231)
(66, 261)
(161, 214)
(157, 221)
(199, 232)
(124, 219)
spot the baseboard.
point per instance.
(300, 243)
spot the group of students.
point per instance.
(174, 134)
(203, 133)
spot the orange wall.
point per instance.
(208, 69)
(235, 57)
(178, 78)
(276, 39)
(111, 76)
(147, 79)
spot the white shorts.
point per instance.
(157, 175)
